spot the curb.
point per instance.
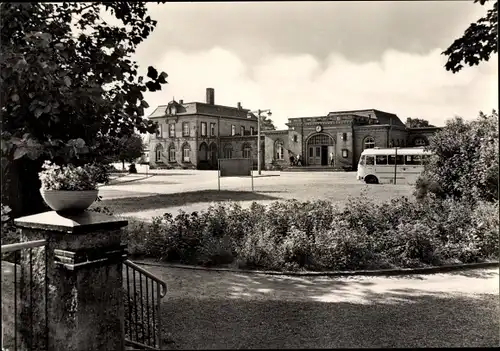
(380, 272)
(129, 181)
(266, 175)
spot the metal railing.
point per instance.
(143, 294)
(24, 294)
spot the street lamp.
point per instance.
(250, 115)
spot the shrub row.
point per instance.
(295, 235)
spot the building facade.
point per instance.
(195, 135)
(338, 139)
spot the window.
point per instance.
(159, 131)
(279, 150)
(344, 153)
(233, 130)
(413, 160)
(344, 136)
(212, 129)
(186, 153)
(247, 151)
(228, 151)
(320, 139)
(419, 141)
(311, 152)
(158, 153)
(370, 160)
(172, 130)
(362, 160)
(185, 129)
(381, 159)
(399, 159)
(171, 153)
(369, 143)
(294, 138)
(252, 132)
(203, 128)
(242, 130)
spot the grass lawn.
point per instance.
(196, 190)
(220, 310)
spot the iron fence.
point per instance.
(143, 294)
(24, 296)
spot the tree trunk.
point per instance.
(123, 165)
(23, 188)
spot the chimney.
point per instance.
(210, 96)
(239, 105)
(181, 101)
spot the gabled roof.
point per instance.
(159, 111)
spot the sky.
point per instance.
(303, 59)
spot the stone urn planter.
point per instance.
(69, 200)
(69, 188)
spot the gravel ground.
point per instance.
(196, 190)
(222, 310)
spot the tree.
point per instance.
(266, 123)
(417, 123)
(466, 161)
(477, 43)
(68, 86)
(131, 147)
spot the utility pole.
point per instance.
(259, 112)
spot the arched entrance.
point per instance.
(203, 152)
(212, 156)
(319, 147)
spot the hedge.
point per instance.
(317, 235)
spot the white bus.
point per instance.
(392, 165)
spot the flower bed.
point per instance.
(292, 235)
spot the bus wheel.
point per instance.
(371, 180)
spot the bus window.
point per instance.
(369, 160)
(399, 160)
(381, 159)
(413, 160)
(362, 160)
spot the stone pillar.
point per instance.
(84, 255)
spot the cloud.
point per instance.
(299, 85)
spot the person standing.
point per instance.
(331, 159)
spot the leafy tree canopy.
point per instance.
(67, 76)
(69, 89)
(266, 123)
(130, 148)
(417, 123)
(477, 43)
(466, 161)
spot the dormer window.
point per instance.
(172, 110)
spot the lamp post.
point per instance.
(259, 112)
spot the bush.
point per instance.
(465, 163)
(9, 232)
(293, 235)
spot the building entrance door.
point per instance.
(314, 155)
(318, 147)
(324, 155)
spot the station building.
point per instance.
(196, 134)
